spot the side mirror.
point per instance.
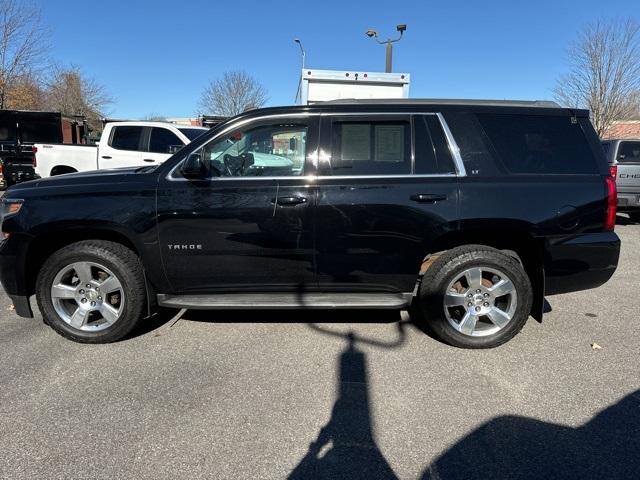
(193, 167)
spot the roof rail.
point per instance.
(445, 101)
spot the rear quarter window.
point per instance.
(539, 144)
(629, 152)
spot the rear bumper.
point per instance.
(628, 201)
(580, 262)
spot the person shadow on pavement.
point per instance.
(608, 446)
(346, 447)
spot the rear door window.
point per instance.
(163, 140)
(629, 152)
(432, 153)
(126, 137)
(539, 144)
(370, 147)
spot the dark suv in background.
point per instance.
(466, 212)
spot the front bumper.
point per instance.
(13, 275)
(580, 262)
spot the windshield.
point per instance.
(192, 133)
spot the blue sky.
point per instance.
(157, 56)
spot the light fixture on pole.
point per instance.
(389, 44)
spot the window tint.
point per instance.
(471, 141)
(432, 150)
(629, 152)
(539, 144)
(265, 151)
(164, 141)
(371, 148)
(126, 137)
(37, 130)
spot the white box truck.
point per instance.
(324, 85)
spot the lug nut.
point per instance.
(99, 298)
(486, 295)
(81, 291)
(469, 304)
(477, 309)
(478, 291)
(93, 304)
(84, 300)
(97, 289)
(470, 295)
(486, 304)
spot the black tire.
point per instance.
(121, 261)
(451, 265)
(634, 216)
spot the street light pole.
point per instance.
(389, 45)
(302, 52)
(303, 55)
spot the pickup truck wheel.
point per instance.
(92, 291)
(475, 297)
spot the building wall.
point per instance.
(624, 129)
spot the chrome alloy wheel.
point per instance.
(87, 296)
(480, 301)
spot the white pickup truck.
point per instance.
(123, 144)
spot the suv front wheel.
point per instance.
(475, 297)
(92, 291)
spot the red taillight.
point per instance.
(35, 162)
(612, 199)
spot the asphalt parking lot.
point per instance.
(302, 395)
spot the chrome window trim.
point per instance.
(453, 147)
(314, 178)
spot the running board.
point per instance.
(244, 301)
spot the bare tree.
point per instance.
(26, 93)
(604, 73)
(71, 92)
(234, 93)
(23, 45)
(154, 117)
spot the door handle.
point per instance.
(150, 160)
(106, 157)
(428, 197)
(289, 200)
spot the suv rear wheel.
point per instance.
(475, 297)
(92, 291)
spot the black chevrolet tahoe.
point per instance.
(467, 213)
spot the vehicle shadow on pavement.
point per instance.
(608, 446)
(346, 447)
